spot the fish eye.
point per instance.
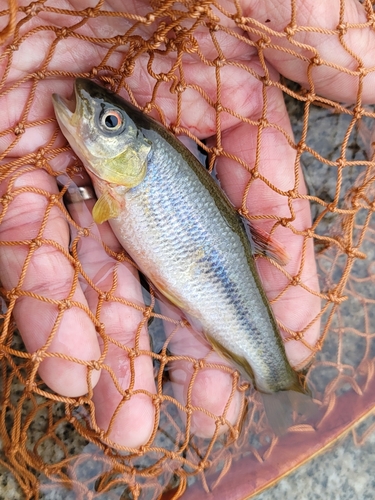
(111, 120)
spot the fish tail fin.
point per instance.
(282, 407)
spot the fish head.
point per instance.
(100, 130)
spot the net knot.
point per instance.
(100, 328)
(84, 231)
(163, 359)
(64, 305)
(37, 356)
(77, 265)
(163, 77)
(14, 46)
(310, 97)
(266, 81)
(334, 298)
(149, 18)
(41, 163)
(157, 400)
(284, 222)
(309, 233)
(179, 87)
(159, 37)
(120, 257)
(30, 386)
(19, 129)
(240, 20)
(263, 42)
(188, 409)
(331, 206)
(6, 199)
(362, 71)
(127, 395)
(33, 8)
(290, 30)
(204, 464)
(147, 312)
(94, 71)
(199, 364)
(220, 62)
(199, 10)
(38, 75)
(354, 253)
(212, 26)
(217, 151)
(297, 335)
(89, 12)
(358, 112)
(54, 198)
(40, 154)
(220, 421)
(147, 107)
(63, 33)
(132, 354)
(342, 28)
(219, 107)
(13, 294)
(295, 281)
(95, 365)
(317, 61)
(35, 243)
(301, 146)
(254, 173)
(292, 193)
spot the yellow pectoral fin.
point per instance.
(107, 207)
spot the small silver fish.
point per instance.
(178, 226)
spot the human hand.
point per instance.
(50, 273)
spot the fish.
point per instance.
(176, 223)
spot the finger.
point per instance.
(198, 115)
(210, 394)
(331, 82)
(32, 267)
(125, 411)
(263, 189)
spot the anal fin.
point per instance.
(263, 243)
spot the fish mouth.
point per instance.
(66, 111)
(80, 105)
(69, 114)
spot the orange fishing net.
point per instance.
(164, 56)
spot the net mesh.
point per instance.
(51, 441)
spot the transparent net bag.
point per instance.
(180, 62)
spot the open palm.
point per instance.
(242, 91)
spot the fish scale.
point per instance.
(173, 229)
